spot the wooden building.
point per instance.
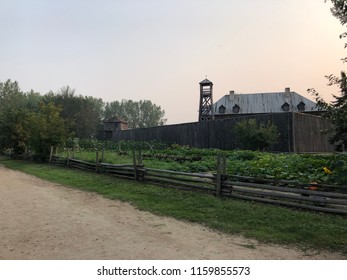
(299, 133)
(112, 125)
(296, 117)
(234, 104)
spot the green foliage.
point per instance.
(29, 121)
(303, 168)
(82, 114)
(338, 168)
(252, 136)
(138, 114)
(339, 10)
(45, 128)
(244, 155)
(335, 112)
(15, 106)
(140, 145)
(300, 168)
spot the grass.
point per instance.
(265, 223)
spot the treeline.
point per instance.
(32, 121)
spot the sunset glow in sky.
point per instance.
(160, 50)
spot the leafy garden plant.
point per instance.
(304, 168)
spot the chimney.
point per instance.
(231, 95)
(287, 90)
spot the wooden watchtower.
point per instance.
(112, 125)
(206, 101)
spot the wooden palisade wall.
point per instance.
(298, 133)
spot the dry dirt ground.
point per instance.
(43, 220)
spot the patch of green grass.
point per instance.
(266, 223)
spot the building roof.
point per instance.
(255, 103)
(206, 82)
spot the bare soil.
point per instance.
(43, 220)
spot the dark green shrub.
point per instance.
(251, 135)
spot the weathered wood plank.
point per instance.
(286, 189)
(311, 198)
(290, 204)
(178, 182)
(181, 173)
(286, 182)
(185, 179)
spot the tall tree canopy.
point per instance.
(339, 10)
(82, 114)
(336, 111)
(45, 128)
(14, 107)
(31, 121)
(24, 119)
(138, 114)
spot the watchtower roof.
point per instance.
(206, 82)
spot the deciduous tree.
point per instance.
(12, 115)
(138, 114)
(45, 128)
(336, 111)
(82, 114)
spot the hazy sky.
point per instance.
(160, 50)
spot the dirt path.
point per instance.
(42, 220)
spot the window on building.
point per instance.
(285, 107)
(236, 109)
(301, 106)
(221, 109)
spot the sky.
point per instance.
(160, 50)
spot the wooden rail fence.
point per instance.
(316, 197)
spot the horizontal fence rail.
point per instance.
(316, 197)
(307, 199)
(59, 161)
(180, 180)
(80, 164)
(121, 170)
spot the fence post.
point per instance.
(219, 176)
(51, 155)
(68, 158)
(140, 157)
(103, 152)
(135, 166)
(224, 166)
(97, 161)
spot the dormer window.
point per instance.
(285, 107)
(301, 106)
(221, 109)
(236, 109)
